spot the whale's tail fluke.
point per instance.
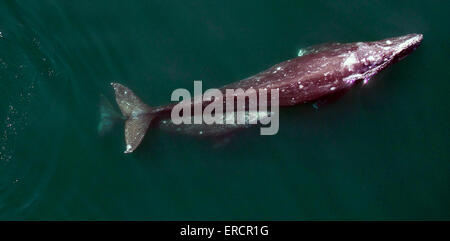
(136, 113)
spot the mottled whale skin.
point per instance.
(325, 69)
(318, 72)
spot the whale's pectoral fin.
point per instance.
(137, 114)
(222, 142)
(329, 99)
(316, 48)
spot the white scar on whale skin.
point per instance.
(350, 61)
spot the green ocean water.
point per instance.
(379, 153)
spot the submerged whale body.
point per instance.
(318, 72)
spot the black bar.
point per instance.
(227, 230)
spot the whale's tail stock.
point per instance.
(136, 114)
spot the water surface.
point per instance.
(381, 152)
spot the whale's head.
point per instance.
(394, 49)
(406, 44)
(369, 58)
